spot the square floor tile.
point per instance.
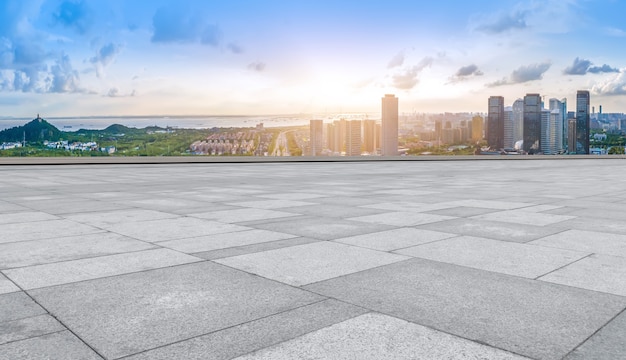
(107, 218)
(242, 215)
(321, 228)
(401, 218)
(597, 272)
(527, 317)
(242, 339)
(222, 241)
(43, 230)
(333, 211)
(93, 268)
(492, 229)
(27, 328)
(18, 305)
(271, 204)
(7, 286)
(153, 308)
(254, 248)
(395, 239)
(170, 229)
(376, 336)
(462, 211)
(588, 241)
(57, 346)
(305, 264)
(608, 343)
(495, 255)
(45, 251)
(26, 216)
(524, 217)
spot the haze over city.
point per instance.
(85, 58)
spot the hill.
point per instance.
(36, 130)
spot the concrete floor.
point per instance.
(499, 259)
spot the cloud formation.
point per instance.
(73, 14)
(234, 48)
(257, 66)
(464, 73)
(614, 86)
(583, 66)
(64, 78)
(524, 74)
(104, 57)
(408, 78)
(396, 61)
(504, 23)
(173, 24)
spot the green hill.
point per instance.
(36, 130)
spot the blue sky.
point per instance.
(123, 57)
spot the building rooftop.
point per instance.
(500, 259)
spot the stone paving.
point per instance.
(498, 259)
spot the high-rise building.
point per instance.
(495, 123)
(369, 136)
(582, 122)
(518, 120)
(508, 128)
(389, 126)
(564, 117)
(353, 138)
(571, 136)
(477, 128)
(545, 132)
(532, 123)
(330, 137)
(316, 129)
(558, 118)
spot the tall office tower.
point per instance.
(477, 128)
(316, 129)
(518, 120)
(508, 128)
(571, 136)
(564, 119)
(464, 131)
(547, 132)
(438, 128)
(532, 123)
(377, 137)
(353, 138)
(582, 122)
(369, 136)
(495, 123)
(557, 105)
(340, 131)
(330, 137)
(556, 130)
(389, 138)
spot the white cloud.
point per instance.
(613, 86)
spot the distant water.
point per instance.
(186, 122)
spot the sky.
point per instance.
(237, 57)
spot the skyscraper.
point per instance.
(477, 128)
(389, 136)
(495, 123)
(508, 128)
(532, 123)
(316, 130)
(582, 122)
(518, 120)
(353, 138)
(369, 136)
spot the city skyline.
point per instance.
(88, 58)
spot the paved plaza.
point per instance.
(497, 259)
